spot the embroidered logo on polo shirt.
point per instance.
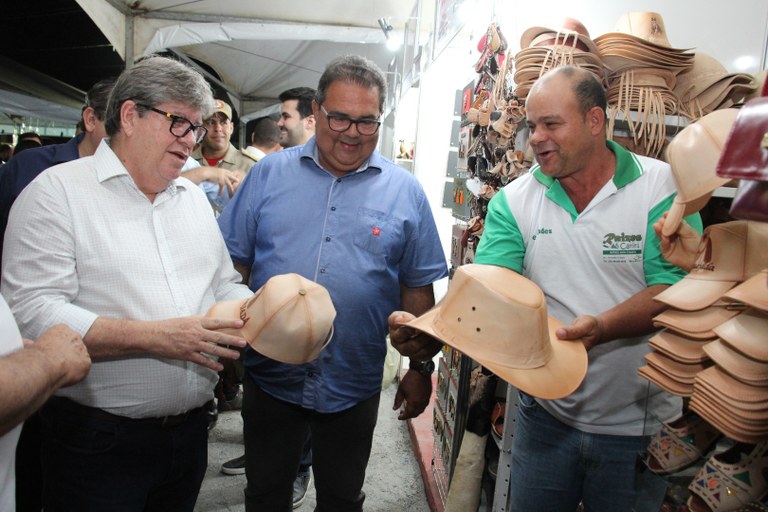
(376, 231)
(541, 231)
(622, 247)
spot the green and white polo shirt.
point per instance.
(587, 263)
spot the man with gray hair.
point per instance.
(126, 252)
(365, 232)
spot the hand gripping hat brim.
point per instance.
(289, 319)
(499, 318)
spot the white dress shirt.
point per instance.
(83, 241)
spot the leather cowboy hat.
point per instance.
(499, 318)
(289, 319)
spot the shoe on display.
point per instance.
(237, 467)
(300, 486)
(233, 404)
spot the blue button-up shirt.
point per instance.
(361, 236)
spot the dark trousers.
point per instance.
(96, 461)
(275, 432)
(29, 472)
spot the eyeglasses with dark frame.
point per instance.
(180, 126)
(341, 123)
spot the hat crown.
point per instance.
(732, 251)
(694, 152)
(289, 319)
(482, 308)
(648, 26)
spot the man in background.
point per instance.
(265, 137)
(6, 151)
(25, 167)
(297, 121)
(217, 155)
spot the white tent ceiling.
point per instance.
(257, 48)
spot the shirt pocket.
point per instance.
(378, 233)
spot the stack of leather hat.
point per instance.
(733, 394)
(545, 48)
(708, 86)
(643, 69)
(678, 352)
(731, 253)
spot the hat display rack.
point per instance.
(713, 347)
(495, 154)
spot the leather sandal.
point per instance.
(731, 479)
(681, 443)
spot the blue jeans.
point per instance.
(94, 461)
(275, 433)
(555, 466)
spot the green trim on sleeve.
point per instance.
(502, 242)
(657, 269)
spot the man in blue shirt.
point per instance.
(337, 212)
(24, 167)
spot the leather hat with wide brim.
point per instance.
(499, 318)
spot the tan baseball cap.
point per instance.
(739, 366)
(499, 318)
(753, 291)
(223, 107)
(664, 381)
(289, 319)
(747, 333)
(678, 347)
(696, 325)
(693, 156)
(681, 372)
(730, 252)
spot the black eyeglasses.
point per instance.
(180, 126)
(341, 123)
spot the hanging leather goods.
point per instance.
(745, 157)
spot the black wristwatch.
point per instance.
(425, 368)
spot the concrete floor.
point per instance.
(393, 482)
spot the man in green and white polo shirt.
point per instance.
(580, 225)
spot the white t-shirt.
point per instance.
(10, 341)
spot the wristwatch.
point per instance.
(425, 368)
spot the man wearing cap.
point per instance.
(218, 156)
(338, 213)
(580, 225)
(126, 252)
